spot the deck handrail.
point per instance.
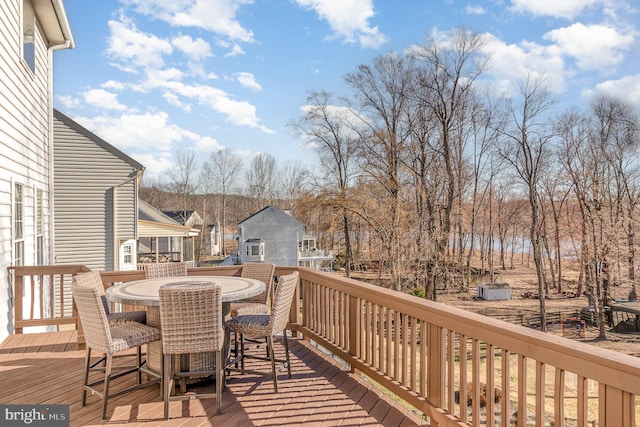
(45, 291)
(438, 358)
(434, 356)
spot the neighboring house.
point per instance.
(189, 218)
(29, 33)
(161, 238)
(96, 199)
(270, 235)
(215, 239)
(275, 236)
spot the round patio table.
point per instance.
(145, 293)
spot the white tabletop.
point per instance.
(145, 292)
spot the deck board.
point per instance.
(47, 368)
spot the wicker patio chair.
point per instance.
(191, 322)
(92, 279)
(165, 269)
(258, 304)
(109, 339)
(265, 325)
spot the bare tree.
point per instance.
(183, 179)
(326, 127)
(526, 147)
(261, 180)
(294, 179)
(382, 98)
(447, 74)
(219, 174)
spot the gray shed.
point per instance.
(493, 291)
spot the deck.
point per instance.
(47, 368)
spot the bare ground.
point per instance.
(522, 281)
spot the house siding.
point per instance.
(280, 231)
(96, 191)
(25, 151)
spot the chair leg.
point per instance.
(286, 352)
(139, 362)
(85, 379)
(107, 378)
(272, 356)
(241, 351)
(219, 380)
(167, 377)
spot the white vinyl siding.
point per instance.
(95, 203)
(25, 153)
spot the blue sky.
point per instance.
(152, 77)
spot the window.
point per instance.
(39, 227)
(18, 225)
(128, 254)
(255, 250)
(28, 35)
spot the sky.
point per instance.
(158, 77)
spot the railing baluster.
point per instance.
(558, 392)
(522, 390)
(505, 403)
(491, 384)
(582, 406)
(475, 380)
(540, 392)
(464, 398)
(451, 371)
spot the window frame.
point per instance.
(17, 232)
(28, 36)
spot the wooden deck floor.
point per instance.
(47, 369)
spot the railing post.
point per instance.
(354, 327)
(295, 314)
(436, 366)
(17, 301)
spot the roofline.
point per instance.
(95, 138)
(61, 13)
(53, 16)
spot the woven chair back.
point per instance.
(165, 269)
(191, 318)
(89, 279)
(263, 272)
(282, 302)
(93, 317)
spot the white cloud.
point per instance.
(240, 113)
(68, 101)
(626, 89)
(148, 131)
(236, 50)
(474, 9)
(112, 84)
(218, 16)
(248, 80)
(100, 98)
(595, 47)
(133, 49)
(196, 50)
(510, 63)
(348, 19)
(556, 8)
(207, 143)
(155, 166)
(174, 101)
